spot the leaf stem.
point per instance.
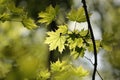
(92, 37)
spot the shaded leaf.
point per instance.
(15, 10)
(29, 23)
(4, 16)
(77, 52)
(90, 46)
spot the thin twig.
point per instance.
(92, 37)
(93, 65)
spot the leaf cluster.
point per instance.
(9, 12)
(63, 71)
(77, 41)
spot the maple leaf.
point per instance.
(43, 75)
(83, 32)
(29, 23)
(48, 15)
(77, 15)
(63, 29)
(55, 40)
(76, 42)
(58, 66)
(80, 71)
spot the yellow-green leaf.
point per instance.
(80, 71)
(77, 15)
(90, 47)
(29, 23)
(15, 10)
(58, 66)
(4, 16)
(83, 32)
(77, 42)
(43, 75)
(55, 39)
(63, 29)
(47, 16)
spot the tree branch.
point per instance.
(93, 64)
(92, 37)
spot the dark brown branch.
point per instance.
(93, 65)
(92, 37)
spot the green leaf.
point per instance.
(43, 75)
(77, 52)
(80, 71)
(55, 39)
(48, 16)
(62, 29)
(83, 32)
(4, 16)
(29, 23)
(90, 46)
(58, 66)
(77, 42)
(15, 10)
(77, 15)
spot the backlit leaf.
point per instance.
(83, 32)
(77, 15)
(63, 29)
(48, 16)
(55, 39)
(58, 66)
(80, 71)
(43, 75)
(77, 42)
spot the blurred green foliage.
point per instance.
(21, 51)
(109, 23)
(111, 31)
